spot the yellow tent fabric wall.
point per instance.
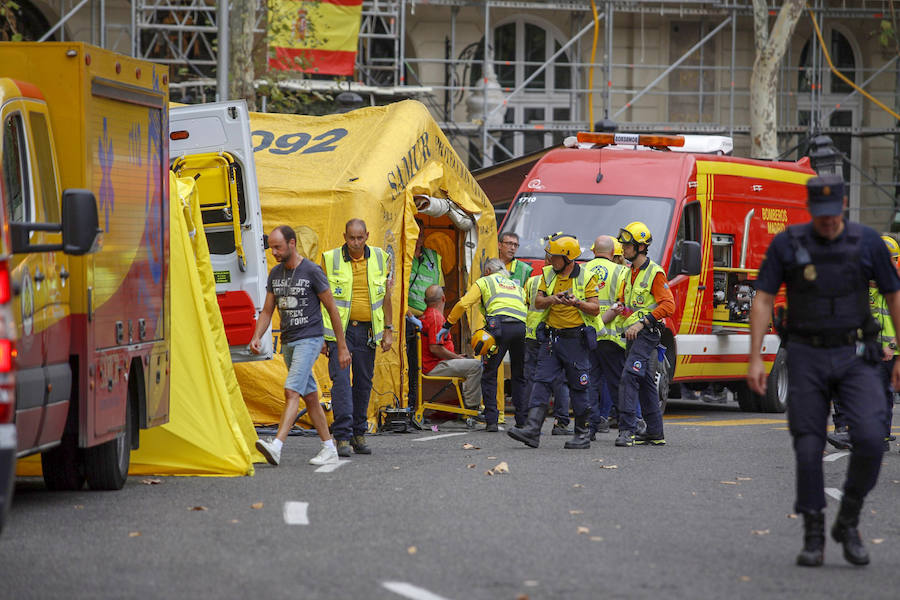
(316, 173)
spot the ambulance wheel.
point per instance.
(747, 399)
(776, 398)
(61, 466)
(106, 465)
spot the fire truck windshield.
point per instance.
(533, 215)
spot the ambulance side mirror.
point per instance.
(81, 232)
(80, 227)
(690, 257)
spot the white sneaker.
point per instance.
(273, 455)
(326, 456)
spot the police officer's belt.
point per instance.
(828, 340)
(568, 332)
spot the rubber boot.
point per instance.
(530, 435)
(582, 438)
(813, 553)
(845, 531)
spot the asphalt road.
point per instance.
(706, 516)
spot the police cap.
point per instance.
(826, 195)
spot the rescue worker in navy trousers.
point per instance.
(832, 351)
(567, 334)
(647, 302)
(502, 302)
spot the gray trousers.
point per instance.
(470, 368)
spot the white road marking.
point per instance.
(836, 455)
(428, 438)
(834, 493)
(408, 590)
(331, 467)
(295, 513)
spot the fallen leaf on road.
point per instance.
(468, 446)
(609, 466)
(792, 516)
(596, 538)
(744, 578)
(412, 550)
(235, 521)
(256, 505)
(472, 466)
(596, 460)
(576, 512)
(745, 479)
(583, 530)
(874, 512)
(434, 428)
(151, 481)
(896, 480)
(877, 540)
(198, 508)
(760, 532)
(396, 468)
(577, 485)
(492, 457)
(693, 493)
(522, 597)
(79, 506)
(729, 482)
(134, 534)
(500, 469)
(740, 495)
(530, 583)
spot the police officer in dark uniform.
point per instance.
(832, 351)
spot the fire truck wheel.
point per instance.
(106, 465)
(776, 398)
(747, 399)
(62, 467)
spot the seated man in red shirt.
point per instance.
(440, 359)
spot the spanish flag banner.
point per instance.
(314, 36)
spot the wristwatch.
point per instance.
(389, 327)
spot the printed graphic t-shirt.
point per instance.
(297, 298)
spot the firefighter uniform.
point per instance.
(566, 335)
(359, 288)
(502, 302)
(832, 352)
(561, 399)
(608, 360)
(638, 384)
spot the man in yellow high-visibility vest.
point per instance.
(359, 276)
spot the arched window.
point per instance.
(520, 47)
(843, 57)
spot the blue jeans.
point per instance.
(350, 405)
(299, 357)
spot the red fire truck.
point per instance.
(712, 217)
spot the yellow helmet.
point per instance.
(635, 233)
(617, 248)
(563, 244)
(892, 246)
(482, 342)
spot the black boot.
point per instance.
(530, 435)
(813, 553)
(582, 439)
(845, 531)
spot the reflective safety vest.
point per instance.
(425, 272)
(534, 315)
(639, 295)
(579, 288)
(518, 271)
(611, 278)
(501, 296)
(340, 277)
(881, 313)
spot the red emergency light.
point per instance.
(631, 139)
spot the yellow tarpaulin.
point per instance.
(316, 173)
(209, 431)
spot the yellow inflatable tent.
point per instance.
(386, 165)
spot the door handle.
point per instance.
(701, 287)
(38, 276)
(63, 273)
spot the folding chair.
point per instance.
(456, 382)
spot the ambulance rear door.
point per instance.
(212, 143)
